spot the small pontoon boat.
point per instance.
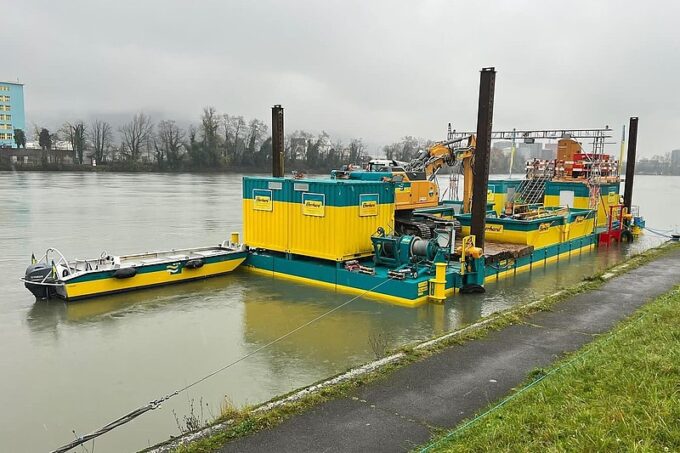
(53, 275)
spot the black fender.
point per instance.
(472, 289)
(125, 272)
(627, 236)
(194, 263)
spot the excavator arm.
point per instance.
(440, 154)
(466, 158)
(422, 190)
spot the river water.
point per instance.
(78, 366)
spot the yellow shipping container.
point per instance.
(329, 219)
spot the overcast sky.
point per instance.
(376, 70)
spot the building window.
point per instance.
(8, 117)
(4, 108)
(3, 136)
(4, 88)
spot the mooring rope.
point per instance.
(662, 233)
(156, 403)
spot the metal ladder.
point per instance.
(531, 191)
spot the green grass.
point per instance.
(619, 393)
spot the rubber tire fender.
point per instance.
(125, 272)
(626, 236)
(194, 263)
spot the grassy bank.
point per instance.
(241, 422)
(619, 393)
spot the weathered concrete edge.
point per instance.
(376, 365)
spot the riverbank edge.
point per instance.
(141, 169)
(499, 423)
(241, 422)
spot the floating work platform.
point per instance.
(335, 234)
(366, 278)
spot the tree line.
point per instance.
(217, 142)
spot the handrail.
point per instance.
(46, 258)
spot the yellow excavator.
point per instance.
(416, 185)
(422, 171)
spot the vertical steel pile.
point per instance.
(480, 178)
(630, 163)
(277, 141)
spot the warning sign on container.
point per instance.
(313, 204)
(262, 200)
(368, 204)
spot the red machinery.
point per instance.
(614, 230)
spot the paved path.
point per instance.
(401, 411)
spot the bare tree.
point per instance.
(210, 124)
(356, 151)
(75, 135)
(135, 135)
(226, 127)
(101, 137)
(36, 132)
(256, 131)
(168, 143)
(233, 129)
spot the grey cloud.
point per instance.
(378, 70)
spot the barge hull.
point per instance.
(410, 292)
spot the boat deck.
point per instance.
(172, 255)
(500, 251)
(110, 262)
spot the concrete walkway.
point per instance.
(402, 411)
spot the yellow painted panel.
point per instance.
(342, 233)
(421, 194)
(550, 201)
(346, 289)
(539, 263)
(580, 227)
(548, 236)
(499, 202)
(108, 285)
(266, 229)
(605, 201)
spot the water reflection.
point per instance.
(46, 314)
